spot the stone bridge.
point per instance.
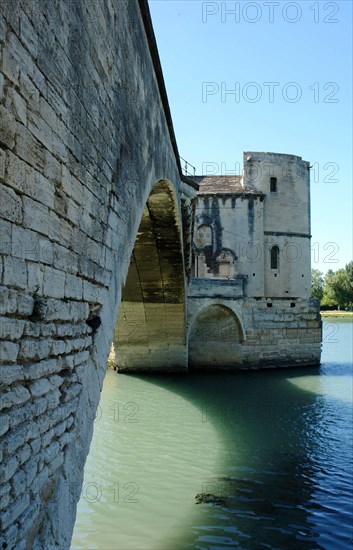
(90, 179)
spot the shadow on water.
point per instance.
(269, 454)
(279, 474)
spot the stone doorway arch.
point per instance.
(215, 339)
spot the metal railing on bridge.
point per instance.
(186, 166)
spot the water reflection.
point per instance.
(271, 450)
(274, 449)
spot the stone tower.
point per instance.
(249, 302)
(285, 182)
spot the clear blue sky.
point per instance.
(305, 48)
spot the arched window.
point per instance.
(203, 236)
(275, 257)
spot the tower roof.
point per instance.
(222, 184)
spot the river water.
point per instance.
(271, 449)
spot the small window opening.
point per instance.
(273, 185)
(292, 304)
(269, 305)
(253, 274)
(302, 275)
(275, 257)
(275, 274)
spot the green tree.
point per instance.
(342, 285)
(317, 284)
(338, 288)
(329, 297)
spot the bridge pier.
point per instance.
(151, 331)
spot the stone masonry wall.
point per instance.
(83, 137)
(286, 334)
(271, 332)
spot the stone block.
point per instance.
(17, 395)
(71, 392)
(79, 311)
(40, 129)
(31, 329)
(55, 381)
(25, 244)
(40, 387)
(60, 230)
(28, 35)
(47, 437)
(53, 399)
(4, 501)
(29, 521)
(10, 536)
(57, 461)
(34, 350)
(73, 287)
(8, 128)
(30, 469)
(16, 105)
(14, 439)
(11, 329)
(48, 330)
(8, 468)
(8, 352)
(30, 149)
(58, 347)
(10, 67)
(10, 204)
(35, 216)
(8, 302)
(58, 310)
(14, 511)
(35, 273)
(65, 259)
(4, 423)
(25, 304)
(10, 374)
(36, 445)
(51, 452)
(81, 357)
(54, 283)
(15, 172)
(15, 273)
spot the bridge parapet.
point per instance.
(217, 288)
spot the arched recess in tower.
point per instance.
(151, 331)
(215, 339)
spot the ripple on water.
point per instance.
(274, 447)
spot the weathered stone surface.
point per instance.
(10, 204)
(16, 396)
(71, 156)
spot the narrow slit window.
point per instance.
(273, 185)
(275, 257)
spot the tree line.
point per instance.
(335, 289)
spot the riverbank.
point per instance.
(345, 314)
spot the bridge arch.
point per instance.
(150, 334)
(215, 338)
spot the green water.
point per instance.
(274, 447)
